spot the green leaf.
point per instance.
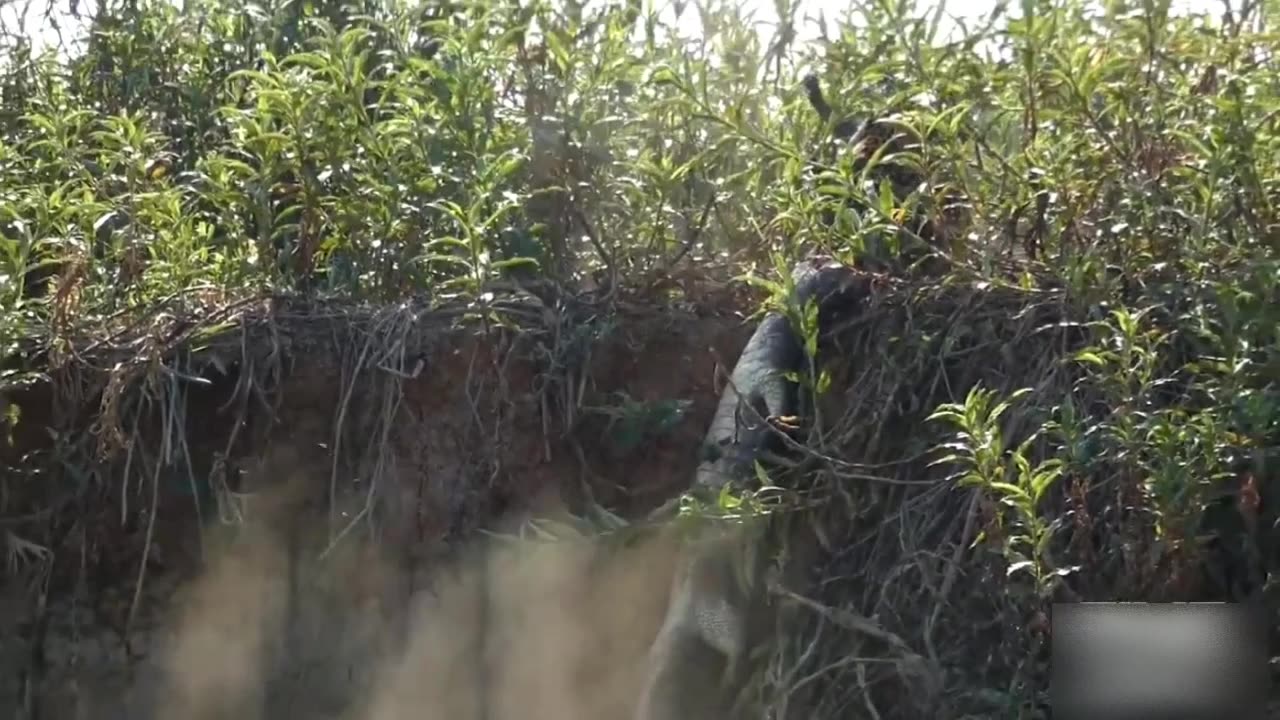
(1090, 357)
(1020, 566)
(1009, 490)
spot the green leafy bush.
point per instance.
(1122, 161)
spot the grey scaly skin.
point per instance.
(706, 620)
(758, 388)
(699, 645)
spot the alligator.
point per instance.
(710, 608)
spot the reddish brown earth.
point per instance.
(368, 604)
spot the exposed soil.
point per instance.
(316, 588)
(307, 532)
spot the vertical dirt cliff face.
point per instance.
(361, 586)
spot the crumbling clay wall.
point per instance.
(337, 564)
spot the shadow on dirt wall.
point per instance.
(297, 585)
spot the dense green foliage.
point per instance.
(1127, 158)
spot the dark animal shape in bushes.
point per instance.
(695, 660)
(890, 146)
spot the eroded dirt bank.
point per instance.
(336, 572)
(302, 532)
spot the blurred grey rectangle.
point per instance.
(1198, 661)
